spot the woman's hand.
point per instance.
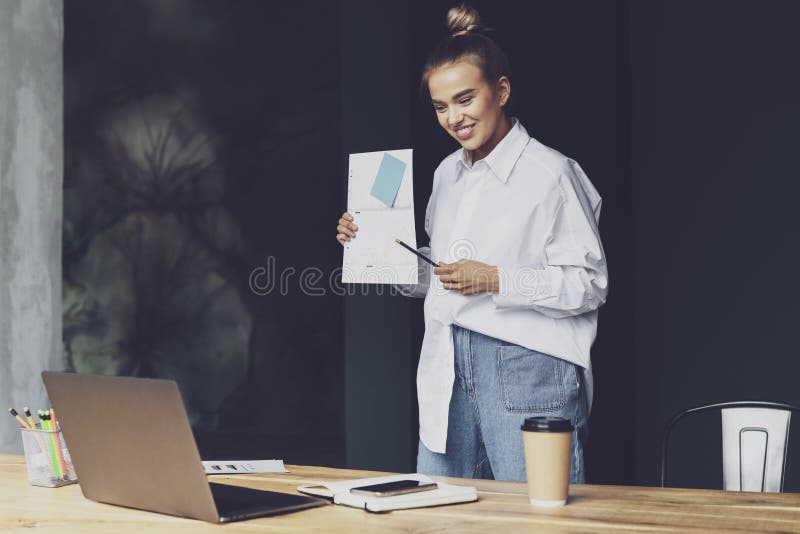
(468, 277)
(346, 229)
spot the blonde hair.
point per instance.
(462, 20)
(466, 40)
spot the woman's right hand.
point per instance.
(346, 229)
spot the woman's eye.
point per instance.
(439, 109)
(465, 101)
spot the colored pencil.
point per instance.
(64, 466)
(45, 424)
(29, 416)
(22, 421)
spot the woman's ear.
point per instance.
(503, 90)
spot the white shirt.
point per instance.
(533, 213)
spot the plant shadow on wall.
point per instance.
(150, 286)
(184, 144)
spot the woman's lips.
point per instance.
(465, 132)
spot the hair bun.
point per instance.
(462, 20)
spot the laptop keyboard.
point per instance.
(236, 501)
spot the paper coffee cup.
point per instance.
(548, 448)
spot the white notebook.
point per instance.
(340, 492)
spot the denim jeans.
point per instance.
(498, 385)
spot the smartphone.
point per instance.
(398, 487)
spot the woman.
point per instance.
(511, 312)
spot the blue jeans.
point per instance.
(497, 386)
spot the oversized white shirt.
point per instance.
(533, 213)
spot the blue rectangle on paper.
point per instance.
(388, 180)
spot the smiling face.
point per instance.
(468, 108)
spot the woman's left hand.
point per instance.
(468, 277)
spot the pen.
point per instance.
(424, 257)
(22, 421)
(42, 421)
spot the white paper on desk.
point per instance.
(373, 257)
(239, 467)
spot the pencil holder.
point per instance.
(47, 458)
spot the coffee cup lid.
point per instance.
(547, 424)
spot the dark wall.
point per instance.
(714, 190)
(571, 90)
(202, 146)
(380, 353)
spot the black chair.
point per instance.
(755, 436)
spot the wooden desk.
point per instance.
(503, 507)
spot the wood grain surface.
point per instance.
(502, 508)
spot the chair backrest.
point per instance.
(755, 436)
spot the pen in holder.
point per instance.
(47, 458)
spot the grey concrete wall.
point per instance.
(31, 176)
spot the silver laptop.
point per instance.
(131, 445)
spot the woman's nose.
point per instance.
(455, 117)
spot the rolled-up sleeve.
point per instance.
(575, 279)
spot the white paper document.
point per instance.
(240, 467)
(380, 197)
